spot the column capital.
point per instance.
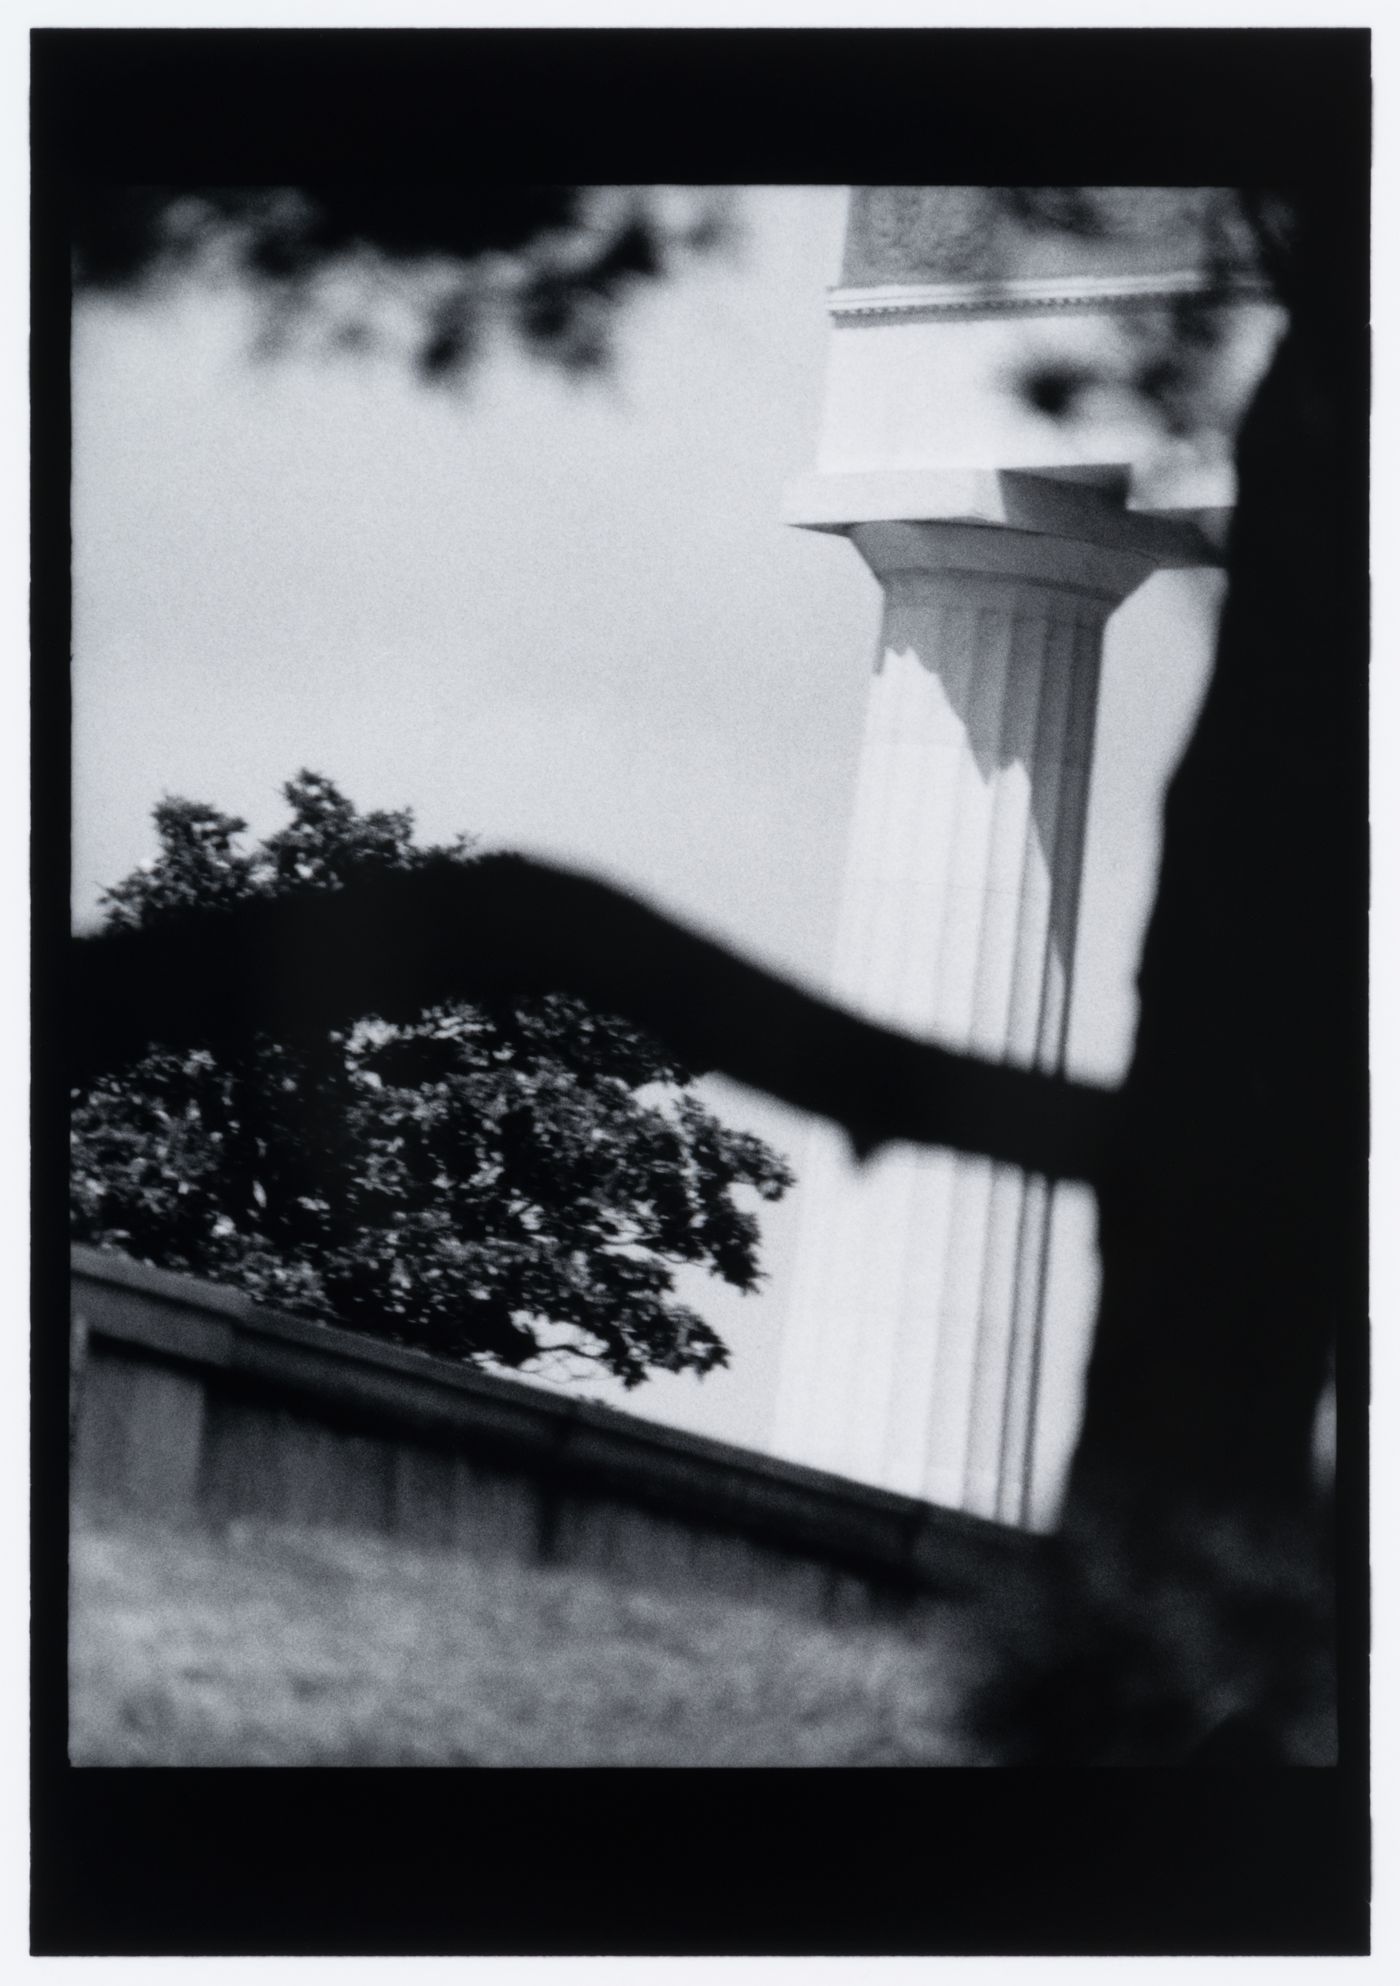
(1083, 505)
(1016, 571)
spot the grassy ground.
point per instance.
(297, 1648)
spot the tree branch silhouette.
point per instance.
(400, 942)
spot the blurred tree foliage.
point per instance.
(430, 270)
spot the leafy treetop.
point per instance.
(512, 1183)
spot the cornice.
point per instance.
(1032, 295)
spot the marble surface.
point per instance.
(962, 234)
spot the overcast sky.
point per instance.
(561, 616)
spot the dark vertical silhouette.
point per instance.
(1230, 1196)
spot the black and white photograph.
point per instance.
(709, 1028)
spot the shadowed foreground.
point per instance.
(273, 1646)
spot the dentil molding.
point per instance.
(1031, 295)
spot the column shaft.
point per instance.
(912, 1354)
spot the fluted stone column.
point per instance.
(1003, 539)
(912, 1359)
